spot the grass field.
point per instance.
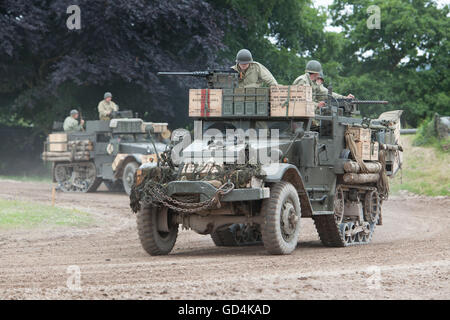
(426, 170)
(23, 214)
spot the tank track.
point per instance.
(332, 234)
(236, 235)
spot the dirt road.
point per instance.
(408, 258)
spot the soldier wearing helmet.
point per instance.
(106, 107)
(312, 71)
(71, 123)
(251, 73)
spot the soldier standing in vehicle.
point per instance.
(106, 107)
(251, 73)
(312, 70)
(324, 91)
(71, 122)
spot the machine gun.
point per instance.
(217, 79)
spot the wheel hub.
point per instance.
(288, 218)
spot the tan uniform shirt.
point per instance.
(105, 108)
(255, 76)
(71, 124)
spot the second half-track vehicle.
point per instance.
(107, 151)
(261, 160)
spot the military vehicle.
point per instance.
(107, 151)
(331, 167)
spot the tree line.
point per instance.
(46, 69)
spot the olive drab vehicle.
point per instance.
(330, 166)
(107, 151)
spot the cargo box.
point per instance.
(205, 102)
(360, 134)
(57, 137)
(57, 147)
(291, 101)
(363, 149)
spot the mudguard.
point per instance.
(276, 172)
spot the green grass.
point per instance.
(426, 170)
(44, 179)
(22, 214)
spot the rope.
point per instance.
(352, 146)
(383, 183)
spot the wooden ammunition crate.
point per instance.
(57, 142)
(291, 101)
(360, 134)
(57, 147)
(205, 102)
(57, 137)
(363, 149)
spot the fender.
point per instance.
(121, 160)
(276, 172)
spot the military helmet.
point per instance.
(244, 56)
(321, 75)
(313, 66)
(73, 111)
(107, 95)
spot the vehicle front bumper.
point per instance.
(207, 191)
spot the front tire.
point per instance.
(153, 241)
(281, 213)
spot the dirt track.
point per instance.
(408, 258)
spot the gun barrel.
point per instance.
(370, 101)
(363, 101)
(192, 74)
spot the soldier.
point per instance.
(251, 73)
(71, 123)
(312, 70)
(106, 107)
(324, 91)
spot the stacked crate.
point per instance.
(364, 147)
(291, 101)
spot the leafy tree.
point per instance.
(46, 69)
(406, 61)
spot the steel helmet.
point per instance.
(73, 111)
(244, 56)
(107, 95)
(313, 66)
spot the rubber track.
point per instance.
(330, 234)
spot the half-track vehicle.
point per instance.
(107, 151)
(328, 165)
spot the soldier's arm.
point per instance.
(266, 76)
(338, 96)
